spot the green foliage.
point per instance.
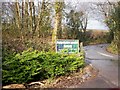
(73, 24)
(65, 50)
(20, 68)
(113, 22)
(33, 65)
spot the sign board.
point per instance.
(71, 46)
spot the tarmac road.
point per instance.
(106, 63)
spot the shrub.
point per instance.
(33, 65)
(20, 67)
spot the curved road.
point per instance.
(106, 63)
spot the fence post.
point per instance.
(81, 46)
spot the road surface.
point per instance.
(106, 63)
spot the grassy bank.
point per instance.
(112, 49)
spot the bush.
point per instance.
(20, 68)
(33, 65)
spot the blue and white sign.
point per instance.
(72, 46)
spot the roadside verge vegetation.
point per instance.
(32, 65)
(113, 22)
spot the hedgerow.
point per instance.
(34, 65)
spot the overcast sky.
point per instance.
(95, 24)
(95, 17)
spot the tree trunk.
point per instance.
(40, 19)
(84, 26)
(26, 17)
(59, 25)
(58, 19)
(31, 20)
(23, 19)
(34, 19)
(17, 10)
(54, 34)
(23, 13)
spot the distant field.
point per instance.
(95, 36)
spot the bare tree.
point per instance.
(31, 16)
(26, 18)
(83, 22)
(17, 14)
(40, 14)
(23, 14)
